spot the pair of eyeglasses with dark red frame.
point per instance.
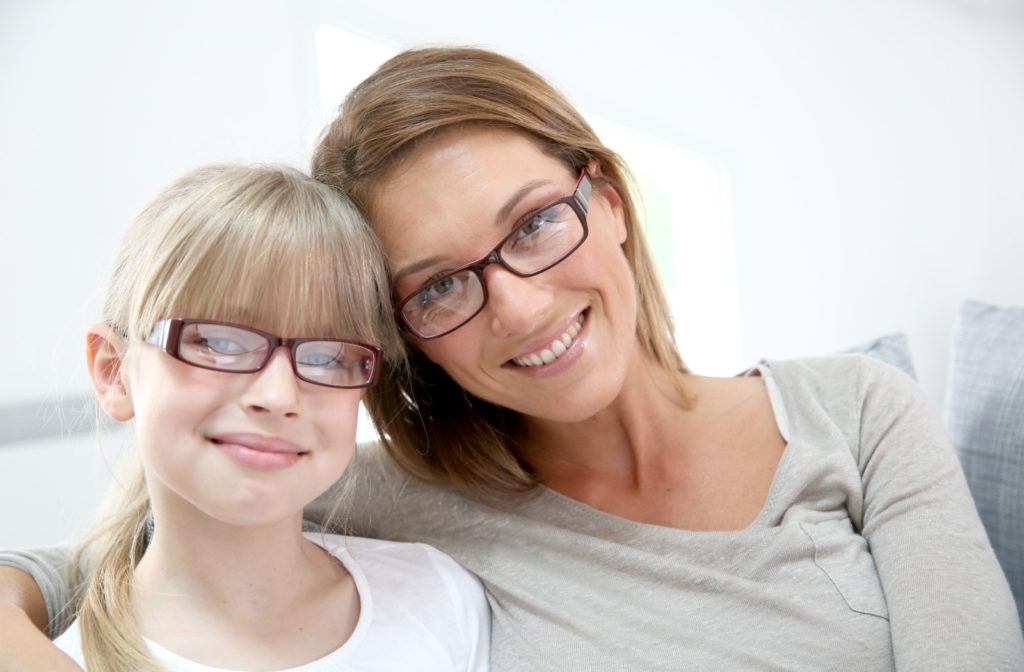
(541, 240)
(235, 348)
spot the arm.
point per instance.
(24, 645)
(950, 607)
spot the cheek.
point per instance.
(451, 351)
(337, 419)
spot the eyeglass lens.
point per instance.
(232, 348)
(545, 239)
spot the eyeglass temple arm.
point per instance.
(583, 191)
(158, 337)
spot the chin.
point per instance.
(243, 518)
(562, 409)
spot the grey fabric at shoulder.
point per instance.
(892, 349)
(50, 569)
(985, 417)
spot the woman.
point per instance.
(622, 512)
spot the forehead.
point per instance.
(444, 197)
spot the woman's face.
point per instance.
(449, 203)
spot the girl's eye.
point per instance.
(325, 359)
(221, 345)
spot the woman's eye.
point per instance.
(535, 224)
(438, 289)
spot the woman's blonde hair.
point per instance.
(260, 245)
(433, 428)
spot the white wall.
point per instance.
(875, 148)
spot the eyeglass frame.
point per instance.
(578, 199)
(166, 335)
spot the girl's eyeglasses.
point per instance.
(234, 348)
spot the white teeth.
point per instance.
(558, 347)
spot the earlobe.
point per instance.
(104, 355)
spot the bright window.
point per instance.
(688, 221)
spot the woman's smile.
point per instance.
(552, 350)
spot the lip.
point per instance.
(567, 359)
(542, 342)
(257, 450)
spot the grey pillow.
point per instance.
(892, 349)
(985, 417)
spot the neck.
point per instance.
(619, 442)
(199, 567)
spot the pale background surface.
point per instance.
(875, 152)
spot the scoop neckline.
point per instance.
(761, 369)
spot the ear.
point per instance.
(612, 197)
(104, 355)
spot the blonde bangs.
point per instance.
(261, 246)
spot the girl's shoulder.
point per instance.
(384, 570)
(414, 588)
(381, 557)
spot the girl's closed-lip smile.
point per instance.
(258, 451)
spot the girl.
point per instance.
(239, 333)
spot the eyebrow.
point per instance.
(503, 214)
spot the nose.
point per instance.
(516, 305)
(274, 390)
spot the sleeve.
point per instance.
(50, 569)
(950, 606)
(471, 610)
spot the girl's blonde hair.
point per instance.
(434, 429)
(260, 245)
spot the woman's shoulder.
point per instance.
(836, 377)
(844, 393)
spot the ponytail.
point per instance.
(110, 637)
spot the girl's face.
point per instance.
(247, 449)
(450, 203)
